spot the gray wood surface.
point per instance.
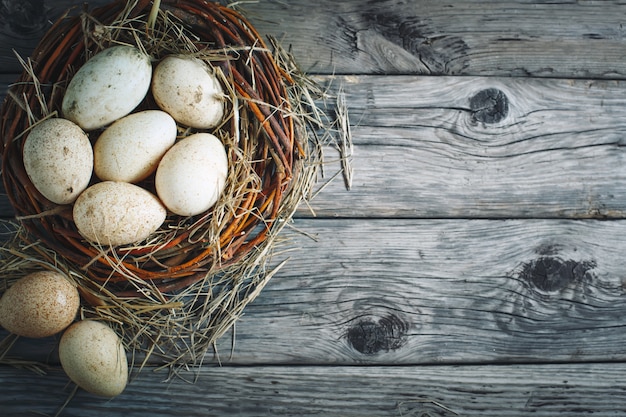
(445, 147)
(476, 266)
(519, 38)
(426, 292)
(422, 151)
(443, 391)
(465, 37)
(429, 292)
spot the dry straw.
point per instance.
(174, 295)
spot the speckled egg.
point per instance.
(113, 213)
(39, 304)
(188, 89)
(108, 86)
(93, 356)
(58, 159)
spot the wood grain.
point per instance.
(475, 268)
(441, 147)
(544, 39)
(428, 292)
(512, 38)
(406, 292)
(516, 38)
(444, 391)
(437, 147)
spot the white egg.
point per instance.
(188, 89)
(39, 304)
(130, 149)
(93, 356)
(114, 213)
(107, 87)
(192, 174)
(58, 159)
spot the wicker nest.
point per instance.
(192, 278)
(188, 247)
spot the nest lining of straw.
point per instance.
(174, 295)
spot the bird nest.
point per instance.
(175, 293)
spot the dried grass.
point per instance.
(179, 327)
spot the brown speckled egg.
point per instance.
(93, 356)
(39, 304)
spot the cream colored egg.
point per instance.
(93, 356)
(114, 213)
(192, 174)
(39, 304)
(188, 89)
(107, 87)
(58, 159)
(130, 149)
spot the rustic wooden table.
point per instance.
(476, 266)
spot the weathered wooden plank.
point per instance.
(519, 38)
(541, 390)
(482, 147)
(5, 81)
(427, 292)
(555, 39)
(22, 24)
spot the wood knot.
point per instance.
(489, 106)
(552, 274)
(371, 337)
